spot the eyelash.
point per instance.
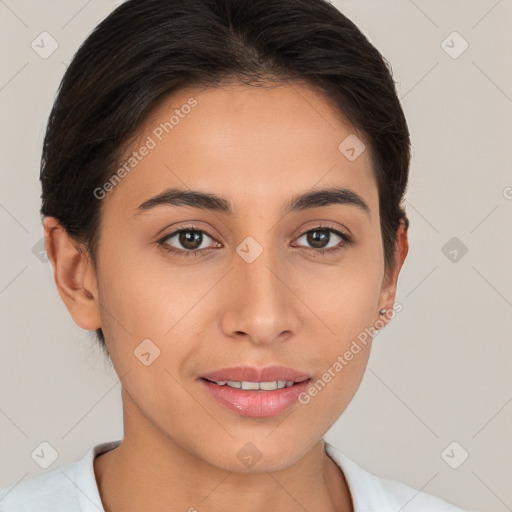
(347, 240)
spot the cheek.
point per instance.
(141, 308)
(140, 296)
(345, 302)
(149, 307)
(333, 389)
(344, 296)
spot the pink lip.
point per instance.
(255, 402)
(251, 374)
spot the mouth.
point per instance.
(256, 386)
(256, 392)
(251, 374)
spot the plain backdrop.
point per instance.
(438, 386)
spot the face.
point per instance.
(255, 278)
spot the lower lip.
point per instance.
(256, 403)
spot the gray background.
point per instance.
(439, 372)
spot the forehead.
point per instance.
(246, 143)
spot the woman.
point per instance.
(222, 199)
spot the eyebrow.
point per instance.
(213, 202)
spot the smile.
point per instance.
(263, 386)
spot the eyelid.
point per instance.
(324, 224)
(188, 227)
(346, 237)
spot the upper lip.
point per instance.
(251, 374)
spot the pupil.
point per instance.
(193, 237)
(316, 238)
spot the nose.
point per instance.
(261, 306)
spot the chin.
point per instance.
(256, 456)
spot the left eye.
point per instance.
(319, 236)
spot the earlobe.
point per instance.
(73, 274)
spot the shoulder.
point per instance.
(68, 488)
(371, 493)
(49, 491)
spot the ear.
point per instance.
(388, 289)
(74, 275)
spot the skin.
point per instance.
(258, 147)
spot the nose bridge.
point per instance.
(262, 305)
(260, 281)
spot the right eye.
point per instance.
(190, 238)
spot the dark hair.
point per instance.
(146, 50)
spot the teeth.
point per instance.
(265, 386)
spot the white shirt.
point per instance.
(72, 488)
